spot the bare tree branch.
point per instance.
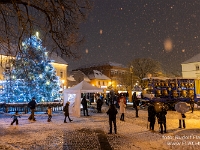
(57, 20)
(144, 66)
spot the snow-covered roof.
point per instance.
(57, 59)
(195, 58)
(98, 75)
(84, 86)
(156, 78)
(71, 78)
(72, 74)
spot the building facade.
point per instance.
(113, 71)
(191, 67)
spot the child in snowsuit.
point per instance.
(49, 112)
(15, 116)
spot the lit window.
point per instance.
(197, 67)
(61, 74)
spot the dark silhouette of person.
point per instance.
(151, 116)
(112, 112)
(99, 105)
(66, 112)
(192, 104)
(162, 120)
(32, 105)
(15, 118)
(133, 98)
(136, 106)
(84, 103)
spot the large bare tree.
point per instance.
(57, 20)
(144, 66)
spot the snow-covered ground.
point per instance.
(90, 133)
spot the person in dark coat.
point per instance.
(66, 112)
(15, 118)
(84, 103)
(136, 106)
(151, 116)
(112, 112)
(99, 105)
(192, 104)
(133, 98)
(162, 120)
(32, 105)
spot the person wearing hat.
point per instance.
(32, 104)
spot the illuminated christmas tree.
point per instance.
(32, 75)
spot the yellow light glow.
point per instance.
(37, 34)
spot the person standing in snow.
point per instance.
(49, 112)
(99, 105)
(182, 119)
(112, 112)
(122, 107)
(162, 120)
(136, 106)
(66, 112)
(32, 104)
(192, 103)
(151, 116)
(84, 103)
(15, 118)
(133, 98)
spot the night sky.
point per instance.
(122, 30)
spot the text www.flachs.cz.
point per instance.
(183, 143)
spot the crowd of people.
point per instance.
(154, 112)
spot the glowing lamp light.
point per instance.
(63, 81)
(46, 53)
(48, 82)
(41, 76)
(37, 34)
(13, 77)
(47, 68)
(42, 100)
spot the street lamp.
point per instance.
(131, 71)
(63, 84)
